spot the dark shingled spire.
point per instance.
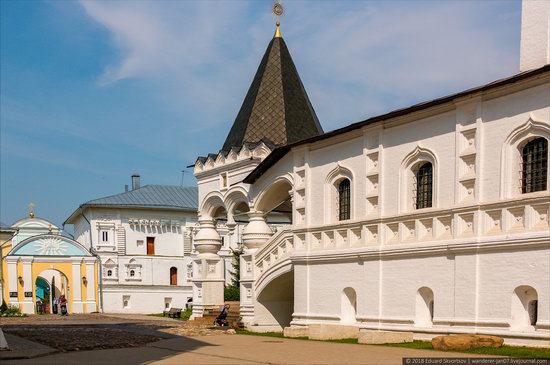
(276, 108)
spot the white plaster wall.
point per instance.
(466, 287)
(144, 299)
(169, 240)
(327, 282)
(401, 279)
(500, 273)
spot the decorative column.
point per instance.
(28, 304)
(208, 269)
(91, 304)
(76, 287)
(13, 281)
(255, 234)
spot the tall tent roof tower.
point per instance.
(276, 108)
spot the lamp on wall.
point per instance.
(21, 282)
(84, 280)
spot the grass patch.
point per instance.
(185, 314)
(508, 351)
(419, 345)
(241, 331)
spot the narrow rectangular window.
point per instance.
(424, 186)
(173, 276)
(534, 170)
(104, 236)
(344, 200)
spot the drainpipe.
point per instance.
(2, 261)
(95, 254)
(63, 230)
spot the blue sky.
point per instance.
(91, 92)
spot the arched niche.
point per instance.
(424, 309)
(348, 307)
(524, 311)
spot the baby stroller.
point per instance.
(221, 319)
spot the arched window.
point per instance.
(534, 166)
(173, 276)
(344, 198)
(109, 272)
(423, 186)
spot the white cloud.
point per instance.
(355, 58)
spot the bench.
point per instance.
(172, 313)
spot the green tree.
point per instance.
(236, 272)
(232, 291)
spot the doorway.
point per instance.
(150, 245)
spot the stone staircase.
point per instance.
(210, 314)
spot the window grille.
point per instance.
(344, 198)
(534, 169)
(423, 186)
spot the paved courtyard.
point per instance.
(152, 340)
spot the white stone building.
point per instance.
(144, 240)
(430, 219)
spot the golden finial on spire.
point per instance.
(278, 11)
(31, 210)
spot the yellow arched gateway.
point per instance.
(40, 265)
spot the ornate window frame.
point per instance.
(110, 228)
(334, 178)
(407, 177)
(511, 156)
(113, 267)
(132, 265)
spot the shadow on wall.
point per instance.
(275, 304)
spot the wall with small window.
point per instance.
(508, 124)
(327, 168)
(525, 161)
(339, 195)
(173, 276)
(105, 233)
(110, 270)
